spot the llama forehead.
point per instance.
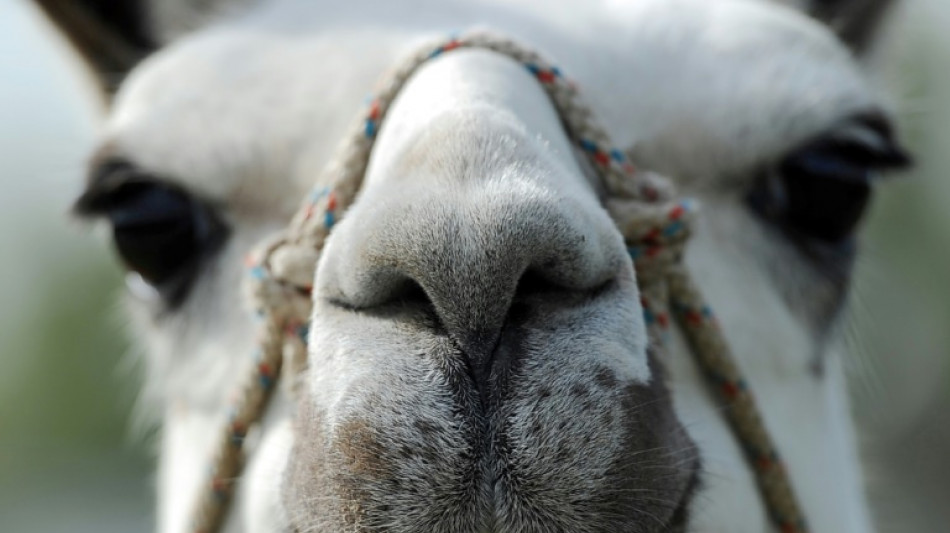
(723, 87)
(248, 118)
(222, 116)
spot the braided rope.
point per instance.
(655, 227)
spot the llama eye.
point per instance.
(820, 191)
(159, 231)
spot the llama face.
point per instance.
(477, 339)
(507, 359)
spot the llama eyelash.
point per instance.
(162, 235)
(817, 193)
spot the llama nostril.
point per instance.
(412, 294)
(386, 293)
(403, 292)
(534, 283)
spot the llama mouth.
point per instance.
(526, 467)
(560, 426)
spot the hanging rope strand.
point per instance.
(655, 227)
(724, 378)
(248, 409)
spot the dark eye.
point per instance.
(160, 232)
(819, 192)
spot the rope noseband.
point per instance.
(654, 224)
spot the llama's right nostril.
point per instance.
(411, 294)
(535, 283)
(402, 292)
(384, 291)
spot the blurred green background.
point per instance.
(70, 462)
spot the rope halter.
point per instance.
(654, 224)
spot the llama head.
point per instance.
(478, 353)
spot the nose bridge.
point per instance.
(467, 246)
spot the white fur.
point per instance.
(247, 112)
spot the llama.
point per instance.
(478, 354)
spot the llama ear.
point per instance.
(856, 22)
(112, 36)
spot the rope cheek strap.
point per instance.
(655, 226)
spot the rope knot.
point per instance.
(655, 233)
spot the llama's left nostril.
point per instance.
(536, 287)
